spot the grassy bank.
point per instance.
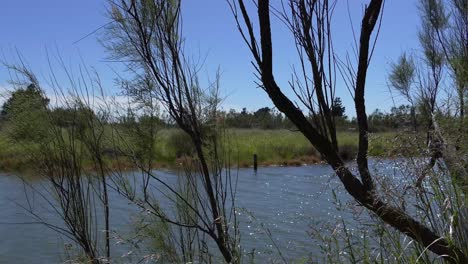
(273, 147)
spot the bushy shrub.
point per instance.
(180, 143)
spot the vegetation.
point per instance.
(264, 132)
(314, 45)
(84, 147)
(274, 147)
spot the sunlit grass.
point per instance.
(273, 147)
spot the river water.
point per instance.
(287, 201)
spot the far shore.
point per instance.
(274, 148)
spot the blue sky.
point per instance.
(31, 27)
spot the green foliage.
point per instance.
(267, 118)
(264, 118)
(402, 75)
(278, 147)
(31, 95)
(433, 13)
(160, 238)
(434, 20)
(64, 117)
(78, 117)
(26, 114)
(141, 135)
(180, 143)
(439, 203)
(338, 109)
(399, 118)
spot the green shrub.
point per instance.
(180, 143)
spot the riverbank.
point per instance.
(273, 148)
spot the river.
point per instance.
(285, 200)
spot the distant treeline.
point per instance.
(26, 103)
(263, 118)
(403, 117)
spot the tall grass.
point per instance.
(273, 147)
(440, 202)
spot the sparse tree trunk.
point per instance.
(150, 32)
(362, 190)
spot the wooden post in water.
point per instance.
(255, 162)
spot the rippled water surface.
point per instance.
(283, 200)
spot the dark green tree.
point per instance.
(26, 114)
(63, 116)
(338, 109)
(263, 118)
(31, 97)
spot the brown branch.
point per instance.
(363, 192)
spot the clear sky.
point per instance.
(32, 26)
